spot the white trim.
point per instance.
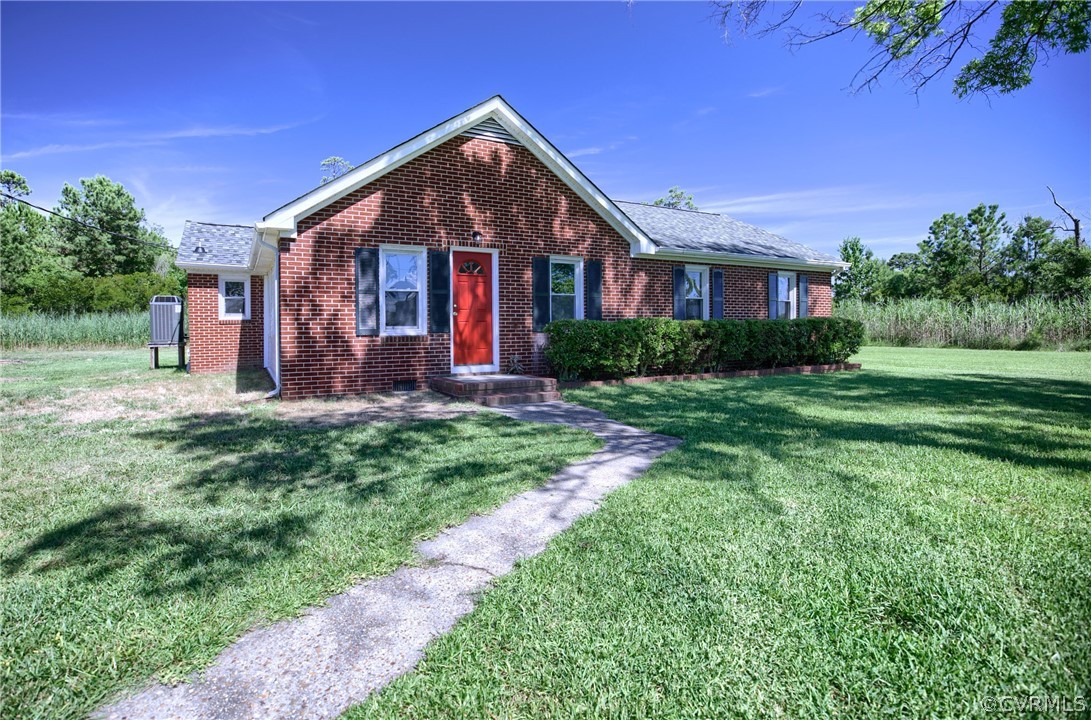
(578, 310)
(245, 279)
(422, 290)
(793, 285)
(739, 259)
(706, 295)
(284, 219)
(495, 365)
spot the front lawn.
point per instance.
(150, 517)
(913, 540)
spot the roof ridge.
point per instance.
(664, 207)
(202, 222)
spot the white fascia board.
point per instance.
(563, 168)
(208, 269)
(284, 220)
(744, 260)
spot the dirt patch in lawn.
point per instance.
(389, 407)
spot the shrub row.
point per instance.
(598, 350)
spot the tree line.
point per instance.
(97, 251)
(975, 256)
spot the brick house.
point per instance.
(449, 253)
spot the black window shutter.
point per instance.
(593, 278)
(772, 296)
(539, 284)
(439, 292)
(802, 296)
(679, 293)
(717, 294)
(367, 291)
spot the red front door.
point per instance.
(472, 307)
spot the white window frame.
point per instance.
(577, 313)
(224, 279)
(422, 290)
(706, 296)
(793, 289)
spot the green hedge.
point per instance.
(66, 292)
(595, 350)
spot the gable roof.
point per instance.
(702, 232)
(492, 113)
(652, 232)
(224, 246)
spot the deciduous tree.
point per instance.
(676, 197)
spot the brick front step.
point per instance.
(470, 386)
(502, 399)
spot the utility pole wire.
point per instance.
(161, 246)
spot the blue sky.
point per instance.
(222, 112)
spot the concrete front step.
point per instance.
(470, 386)
(502, 399)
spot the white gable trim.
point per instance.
(283, 220)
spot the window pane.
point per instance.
(234, 306)
(784, 309)
(694, 287)
(563, 278)
(401, 271)
(563, 307)
(401, 309)
(695, 309)
(782, 288)
(234, 289)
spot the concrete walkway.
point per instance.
(317, 665)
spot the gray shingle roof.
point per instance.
(708, 232)
(223, 244)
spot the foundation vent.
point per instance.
(405, 385)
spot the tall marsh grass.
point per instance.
(74, 331)
(1026, 325)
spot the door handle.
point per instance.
(454, 310)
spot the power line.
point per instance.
(161, 246)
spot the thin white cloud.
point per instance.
(160, 138)
(765, 92)
(582, 152)
(62, 119)
(838, 200)
(599, 149)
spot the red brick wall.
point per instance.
(223, 345)
(437, 200)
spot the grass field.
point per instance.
(1026, 325)
(75, 331)
(150, 517)
(911, 540)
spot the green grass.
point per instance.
(910, 540)
(1026, 325)
(74, 331)
(149, 517)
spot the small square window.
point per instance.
(234, 298)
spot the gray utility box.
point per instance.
(166, 319)
(167, 323)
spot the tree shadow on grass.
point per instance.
(253, 498)
(1000, 418)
